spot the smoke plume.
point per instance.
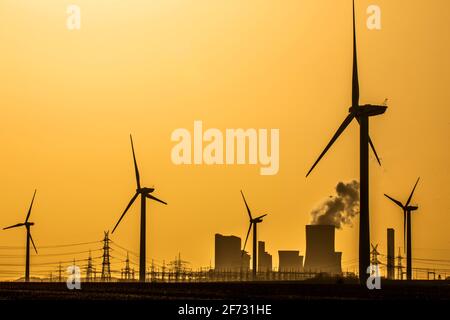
(339, 209)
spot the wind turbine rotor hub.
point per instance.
(145, 190)
(367, 109)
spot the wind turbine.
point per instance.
(361, 113)
(407, 209)
(145, 193)
(27, 225)
(253, 223)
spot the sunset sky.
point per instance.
(70, 99)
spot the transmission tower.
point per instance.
(163, 270)
(89, 269)
(152, 271)
(106, 265)
(127, 273)
(60, 273)
(374, 255)
(178, 266)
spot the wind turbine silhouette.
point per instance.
(27, 225)
(253, 223)
(361, 113)
(407, 209)
(145, 193)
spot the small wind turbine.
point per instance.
(144, 193)
(27, 225)
(407, 209)
(253, 223)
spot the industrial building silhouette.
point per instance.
(264, 258)
(228, 255)
(290, 261)
(320, 254)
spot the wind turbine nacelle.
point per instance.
(29, 223)
(145, 190)
(368, 109)
(412, 208)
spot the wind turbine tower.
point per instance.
(361, 113)
(27, 225)
(145, 194)
(253, 224)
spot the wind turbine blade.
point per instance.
(395, 201)
(335, 137)
(136, 169)
(412, 192)
(246, 205)
(125, 211)
(261, 216)
(246, 238)
(31, 206)
(34, 246)
(156, 199)
(374, 151)
(14, 226)
(355, 80)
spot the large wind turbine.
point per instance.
(253, 223)
(407, 209)
(361, 113)
(27, 225)
(144, 193)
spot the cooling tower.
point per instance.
(320, 254)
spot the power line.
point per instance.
(50, 246)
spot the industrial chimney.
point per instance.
(390, 253)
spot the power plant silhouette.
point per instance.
(320, 254)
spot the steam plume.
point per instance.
(339, 209)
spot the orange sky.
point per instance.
(69, 100)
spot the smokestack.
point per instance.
(390, 253)
(320, 254)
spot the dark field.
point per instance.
(237, 291)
